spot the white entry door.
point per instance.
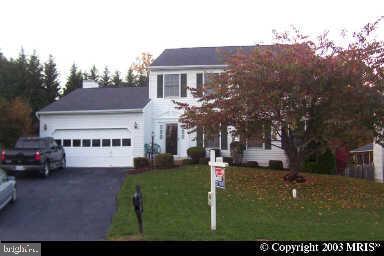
(96, 147)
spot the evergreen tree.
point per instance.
(35, 93)
(106, 78)
(116, 80)
(93, 74)
(51, 83)
(130, 78)
(74, 81)
(20, 76)
(6, 73)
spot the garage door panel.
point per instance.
(103, 156)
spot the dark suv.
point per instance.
(33, 154)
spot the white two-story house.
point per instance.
(110, 126)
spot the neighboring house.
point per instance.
(363, 154)
(369, 154)
(378, 162)
(134, 115)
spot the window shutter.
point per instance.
(159, 86)
(199, 137)
(267, 135)
(199, 81)
(183, 85)
(224, 137)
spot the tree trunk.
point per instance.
(295, 157)
(295, 165)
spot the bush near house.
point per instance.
(140, 162)
(187, 161)
(251, 164)
(195, 153)
(164, 160)
(324, 163)
(276, 164)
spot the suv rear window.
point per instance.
(31, 143)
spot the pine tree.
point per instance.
(106, 78)
(93, 74)
(74, 81)
(51, 83)
(34, 93)
(130, 78)
(116, 80)
(20, 76)
(8, 71)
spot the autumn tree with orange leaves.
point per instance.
(308, 92)
(15, 121)
(141, 68)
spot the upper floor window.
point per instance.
(204, 78)
(172, 85)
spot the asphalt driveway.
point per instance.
(72, 204)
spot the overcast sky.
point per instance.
(114, 32)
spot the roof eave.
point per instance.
(182, 67)
(105, 111)
(361, 151)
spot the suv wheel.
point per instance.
(63, 163)
(45, 171)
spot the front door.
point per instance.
(171, 139)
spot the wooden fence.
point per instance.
(361, 171)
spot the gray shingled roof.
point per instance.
(198, 55)
(365, 148)
(101, 99)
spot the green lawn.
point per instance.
(256, 204)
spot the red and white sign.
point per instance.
(219, 171)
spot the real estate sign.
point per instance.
(220, 177)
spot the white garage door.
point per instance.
(96, 147)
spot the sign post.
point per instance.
(219, 167)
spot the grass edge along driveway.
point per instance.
(256, 204)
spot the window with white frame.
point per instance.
(208, 77)
(171, 85)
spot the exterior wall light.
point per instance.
(136, 125)
(45, 127)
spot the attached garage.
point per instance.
(98, 127)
